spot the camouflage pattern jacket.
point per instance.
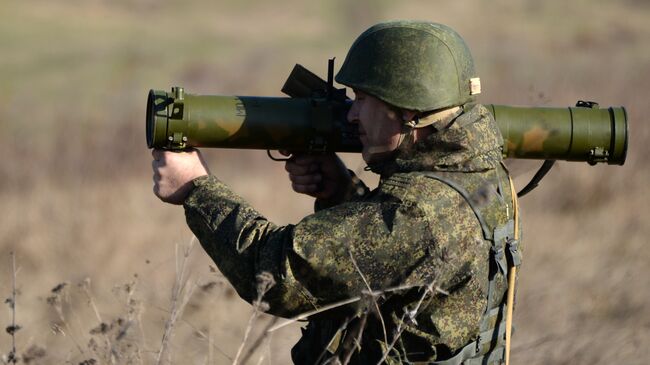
(413, 240)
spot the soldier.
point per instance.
(431, 242)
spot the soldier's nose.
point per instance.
(353, 113)
(353, 117)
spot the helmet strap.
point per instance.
(439, 119)
(406, 136)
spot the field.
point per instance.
(75, 177)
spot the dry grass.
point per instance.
(75, 175)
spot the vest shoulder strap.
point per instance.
(488, 348)
(487, 233)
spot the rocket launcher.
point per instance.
(313, 120)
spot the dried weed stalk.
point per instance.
(265, 282)
(409, 315)
(11, 357)
(265, 336)
(110, 341)
(341, 328)
(372, 297)
(101, 330)
(343, 302)
(181, 293)
(60, 296)
(209, 339)
(351, 341)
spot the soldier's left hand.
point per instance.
(173, 173)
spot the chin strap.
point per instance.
(406, 135)
(439, 120)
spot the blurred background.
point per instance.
(75, 176)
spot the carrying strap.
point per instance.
(512, 274)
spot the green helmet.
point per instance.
(420, 66)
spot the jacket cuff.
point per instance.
(199, 184)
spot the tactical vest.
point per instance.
(484, 192)
(489, 347)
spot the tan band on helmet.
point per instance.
(474, 86)
(441, 117)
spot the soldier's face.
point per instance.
(379, 126)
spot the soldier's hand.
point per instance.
(321, 176)
(173, 173)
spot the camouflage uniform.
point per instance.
(413, 230)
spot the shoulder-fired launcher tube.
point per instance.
(177, 120)
(574, 134)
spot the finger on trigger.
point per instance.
(305, 188)
(303, 159)
(306, 179)
(295, 169)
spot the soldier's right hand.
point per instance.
(322, 176)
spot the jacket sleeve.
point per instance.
(323, 259)
(243, 244)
